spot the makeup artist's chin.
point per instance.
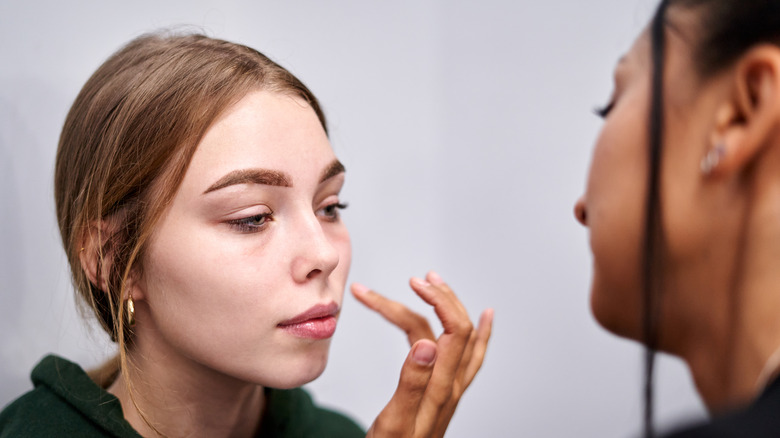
(614, 312)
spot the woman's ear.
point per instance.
(747, 120)
(94, 254)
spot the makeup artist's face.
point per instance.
(613, 207)
(244, 275)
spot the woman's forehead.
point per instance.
(265, 131)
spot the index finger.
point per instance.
(413, 324)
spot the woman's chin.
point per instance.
(293, 375)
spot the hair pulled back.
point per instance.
(726, 30)
(126, 145)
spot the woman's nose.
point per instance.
(579, 211)
(315, 254)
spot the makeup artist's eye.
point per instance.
(331, 211)
(604, 111)
(251, 224)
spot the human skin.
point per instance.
(252, 240)
(225, 267)
(722, 228)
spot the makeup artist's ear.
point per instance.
(747, 120)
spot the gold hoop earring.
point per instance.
(130, 311)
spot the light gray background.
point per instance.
(466, 128)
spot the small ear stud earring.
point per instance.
(712, 159)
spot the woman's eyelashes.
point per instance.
(251, 224)
(258, 222)
(331, 211)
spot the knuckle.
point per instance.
(472, 339)
(395, 307)
(457, 391)
(376, 298)
(388, 427)
(411, 386)
(418, 321)
(464, 327)
(441, 394)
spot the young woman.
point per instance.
(198, 202)
(701, 195)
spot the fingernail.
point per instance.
(435, 278)
(424, 353)
(420, 282)
(359, 289)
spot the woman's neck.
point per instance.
(182, 401)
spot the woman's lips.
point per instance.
(319, 322)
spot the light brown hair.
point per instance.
(126, 145)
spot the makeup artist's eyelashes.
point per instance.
(604, 111)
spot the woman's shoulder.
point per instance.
(66, 402)
(63, 402)
(39, 412)
(292, 412)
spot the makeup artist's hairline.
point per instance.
(674, 28)
(270, 177)
(686, 33)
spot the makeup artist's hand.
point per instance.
(436, 371)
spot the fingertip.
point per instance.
(418, 282)
(486, 319)
(485, 327)
(434, 278)
(424, 352)
(358, 289)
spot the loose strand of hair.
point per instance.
(122, 335)
(653, 233)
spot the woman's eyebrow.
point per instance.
(269, 177)
(333, 169)
(253, 176)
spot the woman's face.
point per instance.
(613, 207)
(244, 274)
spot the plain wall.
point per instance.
(466, 129)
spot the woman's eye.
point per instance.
(251, 224)
(604, 111)
(331, 212)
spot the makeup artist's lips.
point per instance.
(319, 322)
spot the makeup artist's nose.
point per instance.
(579, 211)
(315, 254)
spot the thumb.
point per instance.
(399, 416)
